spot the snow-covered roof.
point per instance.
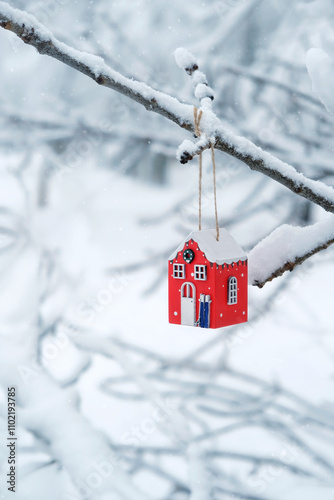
(224, 251)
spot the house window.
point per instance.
(200, 273)
(178, 271)
(232, 290)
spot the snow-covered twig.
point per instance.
(34, 33)
(188, 149)
(287, 247)
(187, 61)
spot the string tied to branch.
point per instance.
(197, 120)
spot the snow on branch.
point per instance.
(32, 32)
(26, 27)
(185, 60)
(242, 148)
(287, 247)
(188, 150)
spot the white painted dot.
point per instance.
(242, 275)
(175, 313)
(243, 312)
(209, 288)
(221, 315)
(192, 274)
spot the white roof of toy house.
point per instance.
(224, 251)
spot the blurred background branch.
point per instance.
(113, 402)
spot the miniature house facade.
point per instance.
(207, 281)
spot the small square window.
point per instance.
(200, 273)
(178, 271)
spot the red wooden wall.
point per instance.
(216, 285)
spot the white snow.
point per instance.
(199, 77)
(190, 147)
(186, 146)
(210, 124)
(202, 91)
(95, 220)
(321, 70)
(97, 65)
(22, 17)
(286, 244)
(184, 59)
(224, 251)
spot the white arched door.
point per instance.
(188, 304)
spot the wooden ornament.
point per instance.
(207, 281)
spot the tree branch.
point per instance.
(287, 247)
(26, 27)
(33, 33)
(290, 265)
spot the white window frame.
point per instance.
(178, 271)
(200, 273)
(232, 290)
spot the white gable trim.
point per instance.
(224, 251)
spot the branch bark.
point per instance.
(33, 33)
(290, 265)
(288, 247)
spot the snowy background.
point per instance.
(115, 403)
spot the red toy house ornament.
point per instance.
(207, 281)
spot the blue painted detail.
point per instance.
(206, 312)
(202, 311)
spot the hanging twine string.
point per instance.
(214, 190)
(197, 120)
